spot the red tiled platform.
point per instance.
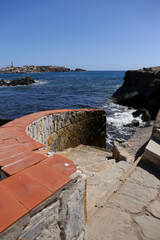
(10, 209)
(32, 175)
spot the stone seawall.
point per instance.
(44, 196)
(70, 129)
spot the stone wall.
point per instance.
(70, 129)
(61, 216)
(44, 196)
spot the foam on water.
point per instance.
(117, 117)
(39, 82)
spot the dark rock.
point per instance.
(15, 82)
(79, 70)
(3, 82)
(146, 117)
(134, 123)
(145, 114)
(141, 89)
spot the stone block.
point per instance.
(14, 231)
(41, 221)
(72, 213)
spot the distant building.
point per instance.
(12, 64)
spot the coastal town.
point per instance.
(37, 69)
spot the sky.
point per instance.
(89, 34)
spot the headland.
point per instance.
(37, 69)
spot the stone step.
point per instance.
(152, 153)
(100, 168)
(156, 133)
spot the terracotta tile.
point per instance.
(10, 210)
(42, 151)
(23, 163)
(23, 138)
(14, 152)
(9, 142)
(46, 176)
(15, 158)
(6, 133)
(25, 190)
(6, 148)
(63, 165)
(32, 145)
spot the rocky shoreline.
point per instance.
(37, 69)
(140, 90)
(17, 81)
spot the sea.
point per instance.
(62, 90)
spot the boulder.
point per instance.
(145, 114)
(134, 123)
(141, 89)
(15, 82)
(3, 82)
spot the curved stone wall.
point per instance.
(58, 131)
(40, 193)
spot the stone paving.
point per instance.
(132, 210)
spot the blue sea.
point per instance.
(68, 90)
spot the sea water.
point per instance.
(90, 89)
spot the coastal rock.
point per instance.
(37, 69)
(141, 89)
(145, 114)
(79, 70)
(3, 82)
(134, 123)
(15, 82)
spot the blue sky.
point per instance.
(91, 34)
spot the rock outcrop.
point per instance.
(79, 70)
(37, 69)
(15, 82)
(141, 89)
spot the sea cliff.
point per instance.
(141, 90)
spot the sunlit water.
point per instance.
(68, 90)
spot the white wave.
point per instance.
(117, 117)
(39, 82)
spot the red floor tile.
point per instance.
(23, 163)
(63, 165)
(48, 177)
(9, 142)
(42, 151)
(10, 210)
(15, 158)
(14, 152)
(25, 190)
(32, 145)
(5, 149)
(24, 138)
